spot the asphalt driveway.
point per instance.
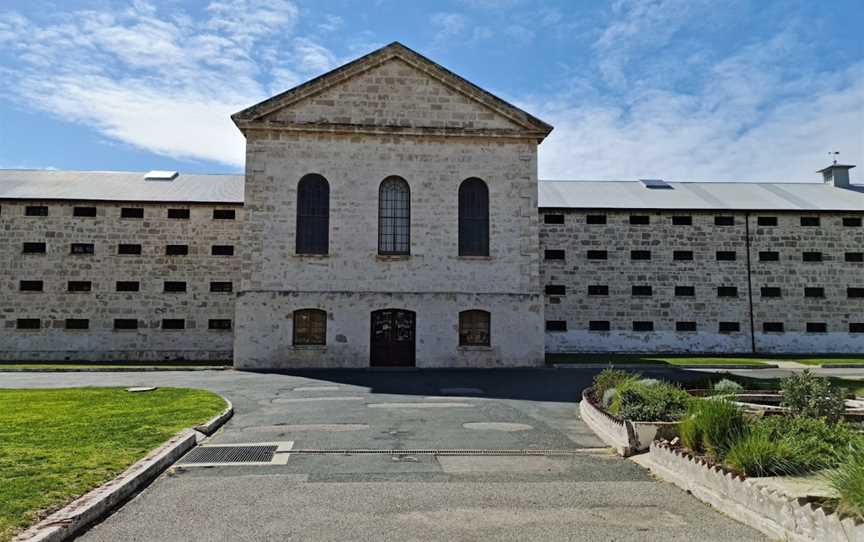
(405, 493)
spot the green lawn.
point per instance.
(648, 359)
(56, 445)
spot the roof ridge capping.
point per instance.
(254, 113)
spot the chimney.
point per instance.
(836, 174)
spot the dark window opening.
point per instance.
(810, 221)
(222, 287)
(178, 213)
(176, 250)
(31, 286)
(81, 248)
(599, 325)
(770, 291)
(643, 326)
(772, 327)
(685, 326)
(173, 323)
(556, 325)
(726, 255)
(811, 256)
(79, 286)
(855, 257)
(727, 291)
(817, 327)
(125, 323)
(769, 256)
(556, 289)
(224, 214)
(129, 249)
(766, 221)
(77, 323)
(87, 212)
(36, 210)
(685, 291)
(175, 286)
(682, 255)
(553, 219)
(595, 219)
(128, 286)
(473, 218)
(28, 323)
(642, 290)
(598, 289)
(132, 212)
(313, 215)
(639, 220)
(597, 255)
(856, 327)
(855, 292)
(220, 324)
(222, 250)
(729, 327)
(474, 328)
(640, 254)
(724, 220)
(310, 327)
(33, 248)
(394, 217)
(814, 292)
(852, 221)
(554, 254)
(682, 220)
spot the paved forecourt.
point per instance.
(332, 487)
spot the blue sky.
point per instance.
(675, 89)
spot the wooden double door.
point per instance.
(393, 341)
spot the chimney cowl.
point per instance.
(836, 175)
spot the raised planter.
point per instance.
(627, 437)
(767, 510)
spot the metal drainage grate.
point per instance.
(450, 452)
(268, 453)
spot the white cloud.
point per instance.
(448, 26)
(331, 23)
(163, 82)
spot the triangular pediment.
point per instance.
(392, 89)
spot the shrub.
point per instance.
(821, 444)
(726, 387)
(808, 395)
(608, 397)
(848, 481)
(711, 426)
(648, 382)
(609, 379)
(661, 402)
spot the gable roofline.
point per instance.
(254, 114)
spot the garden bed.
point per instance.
(627, 437)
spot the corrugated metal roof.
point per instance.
(119, 186)
(701, 195)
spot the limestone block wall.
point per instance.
(841, 248)
(354, 168)
(103, 269)
(265, 329)
(662, 273)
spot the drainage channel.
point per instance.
(450, 452)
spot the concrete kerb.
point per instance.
(762, 508)
(660, 366)
(99, 503)
(110, 369)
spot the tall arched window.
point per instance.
(394, 216)
(474, 328)
(310, 327)
(473, 218)
(313, 215)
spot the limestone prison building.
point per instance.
(390, 214)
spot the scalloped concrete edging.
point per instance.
(99, 503)
(759, 507)
(625, 436)
(662, 366)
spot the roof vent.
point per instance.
(836, 175)
(157, 175)
(656, 184)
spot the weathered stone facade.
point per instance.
(698, 241)
(102, 269)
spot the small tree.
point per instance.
(808, 395)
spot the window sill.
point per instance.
(392, 257)
(312, 256)
(474, 348)
(314, 347)
(477, 258)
